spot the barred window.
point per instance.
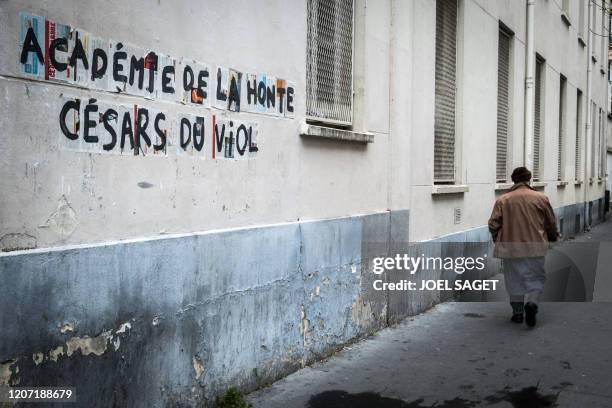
(561, 138)
(503, 87)
(537, 124)
(579, 130)
(600, 145)
(445, 91)
(593, 140)
(329, 66)
(581, 19)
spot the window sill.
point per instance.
(565, 18)
(581, 40)
(577, 182)
(562, 183)
(599, 180)
(438, 189)
(539, 184)
(308, 130)
(503, 186)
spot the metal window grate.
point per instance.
(578, 155)
(599, 144)
(593, 144)
(445, 91)
(329, 66)
(581, 18)
(561, 144)
(536, 118)
(503, 84)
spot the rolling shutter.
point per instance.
(593, 144)
(445, 91)
(329, 65)
(536, 119)
(578, 155)
(503, 85)
(560, 161)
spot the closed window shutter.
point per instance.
(560, 161)
(599, 145)
(329, 65)
(578, 156)
(593, 144)
(536, 119)
(445, 91)
(503, 84)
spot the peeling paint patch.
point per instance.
(68, 327)
(55, 354)
(125, 327)
(17, 241)
(38, 358)
(5, 371)
(361, 312)
(88, 345)
(198, 366)
(156, 320)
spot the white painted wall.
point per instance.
(58, 197)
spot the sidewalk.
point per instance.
(460, 355)
(465, 355)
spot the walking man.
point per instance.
(522, 224)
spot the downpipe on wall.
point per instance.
(529, 84)
(589, 114)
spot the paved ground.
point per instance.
(460, 355)
(465, 355)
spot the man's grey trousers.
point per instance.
(524, 278)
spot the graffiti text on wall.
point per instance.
(51, 51)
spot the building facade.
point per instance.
(191, 190)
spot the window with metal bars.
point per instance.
(329, 66)
(503, 102)
(604, 53)
(561, 138)
(445, 91)
(593, 144)
(579, 130)
(581, 19)
(537, 124)
(600, 144)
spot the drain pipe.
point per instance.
(529, 85)
(589, 113)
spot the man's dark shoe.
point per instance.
(531, 309)
(517, 318)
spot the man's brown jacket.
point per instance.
(522, 223)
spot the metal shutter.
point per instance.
(329, 65)
(593, 145)
(503, 85)
(578, 156)
(560, 161)
(445, 91)
(602, 145)
(599, 145)
(536, 119)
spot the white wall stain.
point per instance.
(198, 366)
(5, 371)
(63, 221)
(38, 358)
(125, 327)
(67, 327)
